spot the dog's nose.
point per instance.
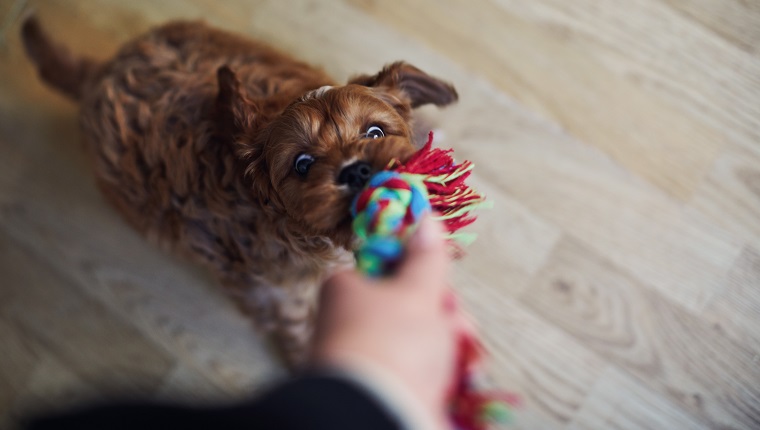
(355, 175)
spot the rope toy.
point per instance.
(386, 214)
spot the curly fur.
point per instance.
(194, 132)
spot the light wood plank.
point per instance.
(552, 373)
(679, 252)
(674, 352)
(18, 361)
(188, 385)
(621, 402)
(98, 347)
(663, 52)
(512, 242)
(736, 311)
(730, 193)
(736, 21)
(55, 387)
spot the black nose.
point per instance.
(355, 175)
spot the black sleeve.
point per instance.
(308, 402)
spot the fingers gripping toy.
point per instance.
(386, 213)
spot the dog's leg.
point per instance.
(294, 327)
(286, 315)
(296, 312)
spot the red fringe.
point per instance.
(447, 195)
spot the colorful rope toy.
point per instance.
(386, 213)
(387, 210)
(384, 216)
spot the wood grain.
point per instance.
(513, 243)
(96, 345)
(677, 354)
(735, 311)
(734, 20)
(526, 352)
(53, 387)
(593, 199)
(615, 280)
(20, 358)
(730, 193)
(619, 401)
(661, 49)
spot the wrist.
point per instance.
(388, 389)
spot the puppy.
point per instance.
(238, 156)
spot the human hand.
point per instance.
(406, 325)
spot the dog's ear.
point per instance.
(236, 115)
(416, 85)
(258, 172)
(234, 111)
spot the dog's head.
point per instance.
(311, 160)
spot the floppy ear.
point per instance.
(257, 171)
(236, 115)
(234, 111)
(419, 87)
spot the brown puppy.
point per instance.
(234, 154)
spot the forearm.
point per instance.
(318, 400)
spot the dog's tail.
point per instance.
(55, 63)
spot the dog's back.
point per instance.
(161, 154)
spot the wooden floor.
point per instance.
(617, 279)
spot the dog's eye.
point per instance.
(303, 162)
(374, 132)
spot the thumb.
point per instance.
(426, 262)
(338, 285)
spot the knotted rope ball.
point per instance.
(385, 215)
